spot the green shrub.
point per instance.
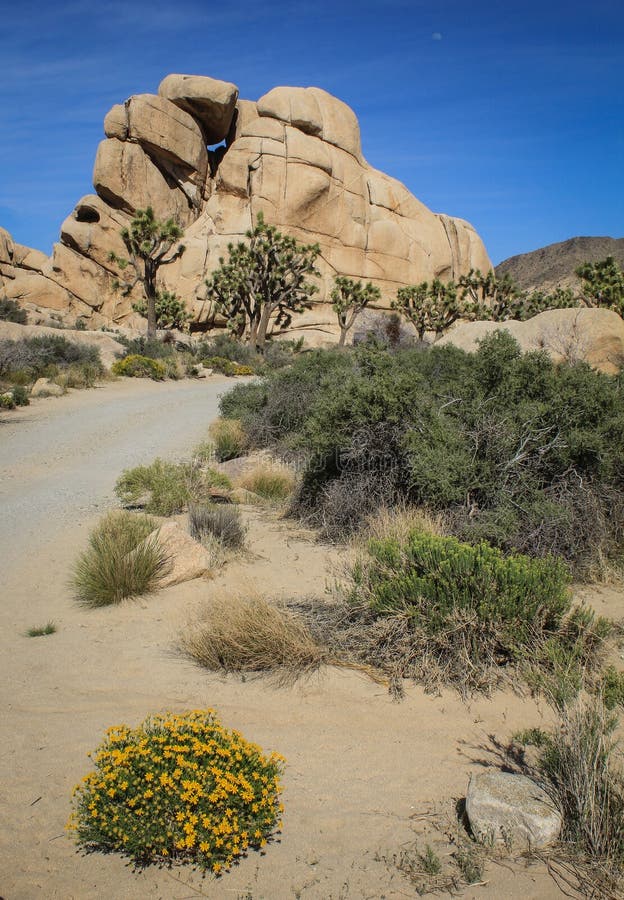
(220, 521)
(154, 348)
(512, 448)
(7, 400)
(136, 366)
(11, 311)
(165, 488)
(428, 607)
(123, 559)
(429, 578)
(228, 438)
(225, 347)
(178, 787)
(20, 395)
(611, 688)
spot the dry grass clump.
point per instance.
(123, 559)
(398, 522)
(229, 439)
(270, 481)
(251, 634)
(580, 764)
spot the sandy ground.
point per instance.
(361, 768)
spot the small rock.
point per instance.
(190, 560)
(43, 387)
(511, 809)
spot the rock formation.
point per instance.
(594, 336)
(295, 155)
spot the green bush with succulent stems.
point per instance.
(136, 366)
(430, 578)
(165, 488)
(123, 559)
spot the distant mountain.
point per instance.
(554, 266)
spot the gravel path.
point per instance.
(60, 458)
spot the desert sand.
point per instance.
(361, 768)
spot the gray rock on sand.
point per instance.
(511, 809)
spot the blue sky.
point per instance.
(510, 115)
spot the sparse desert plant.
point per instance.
(581, 765)
(218, 520)
(136, 366)
(270, 481)
(41, 630)
(228, 438)
(165, 488)
(251, 634)
(178, 787)
(123, 559)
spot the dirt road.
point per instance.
(60, 458)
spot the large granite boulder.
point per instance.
(595, 336)
(211, 103)
(295, 155)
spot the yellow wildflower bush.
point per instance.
(178, 787)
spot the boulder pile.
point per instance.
(197, 153)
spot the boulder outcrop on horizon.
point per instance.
(295, 155)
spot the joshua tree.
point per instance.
(603, 284)
(431, 306)
(349, 298)
(264, 281)
(150, 245)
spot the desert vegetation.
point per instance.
(123, 559)
(54, 357)
(178, 787)
(164, 488)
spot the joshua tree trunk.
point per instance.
(150, 296)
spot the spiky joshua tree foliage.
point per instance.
(349, 298)
(263, 282)
(150, 245)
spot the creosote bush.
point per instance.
(510, 448)
(123, 559)
(178, 787)
(165, 488)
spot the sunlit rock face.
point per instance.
(295, 155)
